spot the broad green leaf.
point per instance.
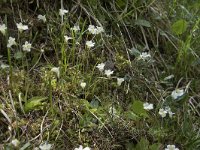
(138, 108)
(34, 103)
(142, 22)
(94, 103)
(179, 27)
(18, 55)
(142, 145)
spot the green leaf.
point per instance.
(138, 108)
(95, 103)
(131, 115)
(179, 27)
(142, 145)
(18, 55)
(142, 22)
(155, 146)
(34, 103)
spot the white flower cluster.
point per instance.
(95, 30)
(107, 72)
(163, 112)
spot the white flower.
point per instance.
(42, 17)
(81, 148)
(95, 30)
(11, 42)
(3, 29)
(45, 146)
(83, 85)
(100, 30)
(75, 28)
(67, 38)
(42, 50)
(62, 12)
(144, 55)
(92, 29)
(108, 72)
(119, 81)
(56, 70)
(177, 93)
(162, 112)
(90, 44)
(148, 106)
(168, 109)
(169, 77)
(171, 147)
(21, 27)
(15, 142)
(101, 66)
(27, 46)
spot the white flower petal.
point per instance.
(27, 46)
(90, 44)
(101, 66)
(56, 70)
(119, 81)
(108, 72)
(148, 106)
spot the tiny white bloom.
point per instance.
(81, 148)
(169, 77)
(42, 17)
(171, 147)
(119, 81)
(144, 55)
(95, 30)
(62, 12)
(3, 29)
(21, 27)
(177, 93)
(45, 146)
(148, 106)
(162, 112)
(101, 66)
(108, 72)
(56, 70)
(42, 50)
(90, 44)
(75, 28)
(27, 46)
(11, 42)
(67, 38)
(168, 109)
(15, 142)
(100, 30)
(92, 29)
(83, 85)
